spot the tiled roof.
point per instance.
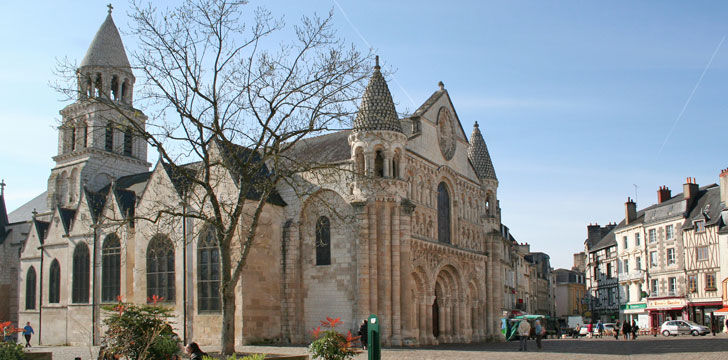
(377, 110)
(107, 49)
(238, 160)
(25, 211)
(324, 149)
(707, 207)
(479, 156)
(428, 103)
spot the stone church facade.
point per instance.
(413, 236)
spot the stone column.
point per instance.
(386, 274)
(362, 306)
(397, 278)
(373, 261)
(422, 326)
(407, 299)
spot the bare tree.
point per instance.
(223, 91)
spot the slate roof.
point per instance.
(25, 211)
(479, 156)
(181, 175)
(3, 220)
(41, 227)
(95, 201)
(377, 110)
(707, 207)
(237, 159)
(324, 149)
(107, 49)
(606, 241)
(66, 218)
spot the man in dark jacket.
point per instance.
(626, 329)
(363, 329)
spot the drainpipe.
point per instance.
(93, 288)
(40, 300)
(184, 267)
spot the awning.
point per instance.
(721, 312)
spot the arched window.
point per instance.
(84, 133)
(115, 88)
(359, 162)
(323, 241)
(98, 86)
(379, 164)
(395, 166)
(160, 268)
(80, 286)
(208, 271)
(54, 283)
(30, 289)
(109, 145)
(443, 214)
(128, 141)
(72, 131)
(110, 268)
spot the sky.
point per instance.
(581, 103)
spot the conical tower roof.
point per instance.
(107, 49)
(377, 110)
(479, 156)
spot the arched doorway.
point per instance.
(435, 318)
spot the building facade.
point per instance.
(601, 273)
(570, 292)
(413, 236)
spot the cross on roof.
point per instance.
(111, 7)
(2, 187)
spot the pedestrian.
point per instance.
(626, 329)
(576, 332)
(616, 330)
(363, 333)
(589, 329)
(524, 330)
(193, 350)
(539, 331)
(600, 328)
(635, 328)
(27, 332)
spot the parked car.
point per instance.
(609, 329)
(696, 329)
(674, 327)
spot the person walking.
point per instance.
(600, 328)
(524, 330)
(590, 329)
(539, 331)
(626, 329)
(194, 351)
(27, 332)
(635, 328)
(616, 330)
(364, 333)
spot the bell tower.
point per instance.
(98, 139)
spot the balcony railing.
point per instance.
(632, 275)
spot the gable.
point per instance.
(427, 142)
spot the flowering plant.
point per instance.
(330, 344)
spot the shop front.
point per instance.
(636, 312)
(701, 312)
(664, 309)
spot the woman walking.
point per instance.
(626, 329)
(616, 330)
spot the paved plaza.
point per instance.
(645, 347)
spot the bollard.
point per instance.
(374, 348)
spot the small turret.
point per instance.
(377, 110)
(479, 156)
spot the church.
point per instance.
(417, 243)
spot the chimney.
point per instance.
(630, 211)
(724, 186)
(593, 233)
(663, 194)
(690, 191)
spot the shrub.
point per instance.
(140, 332)
(331, 345)
(11, 351)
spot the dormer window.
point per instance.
(699, 225)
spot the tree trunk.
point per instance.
(228, 322)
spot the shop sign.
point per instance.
(666, 304)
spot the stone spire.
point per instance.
(377, 110)
(107, 49)
(479, 156)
